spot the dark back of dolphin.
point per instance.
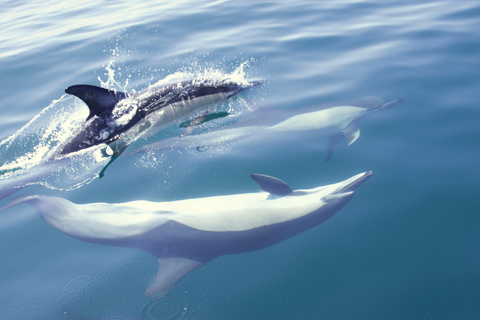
(101, 103)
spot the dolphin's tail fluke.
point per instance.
(18, 200)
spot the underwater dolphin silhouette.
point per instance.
(338, 121)
(117, 118)
(186, 234)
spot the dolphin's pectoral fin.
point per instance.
(215, 115)
(190, 126)
(115, 154)
(332, 142)
(170, 271)
(272, 185)
(102, 173)
(203, 118)
(351, 132)
(97, 99)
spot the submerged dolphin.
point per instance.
(186, 234)
(117, 118)
(337, 121)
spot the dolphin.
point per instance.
(186, 234)
(338, 121)
(115, 120)
(118, 118)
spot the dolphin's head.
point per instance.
(334, 196)
(350, 184)
(227, 86)
(342, 192)
(250, 85)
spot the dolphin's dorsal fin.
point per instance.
(272, 185)
(170, 271)
(97, 99)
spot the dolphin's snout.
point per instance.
(254, 84)
(250, 85)
(355, 181)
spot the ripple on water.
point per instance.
(78, 283)
(168, 308)
(211, 308)
(256, 300)
(9, 275)
(130, 275)
(74, 303)
(107, 292)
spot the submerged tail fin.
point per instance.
(18, 200)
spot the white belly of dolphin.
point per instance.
(337, 118)
(169, 115)
(220, 213)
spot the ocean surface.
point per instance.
(405, 247)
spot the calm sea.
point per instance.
(406, 246)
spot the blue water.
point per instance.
(406, 246)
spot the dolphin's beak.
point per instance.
(250, 85)
(354, 182)
(254, 84)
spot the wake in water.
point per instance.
(60, 150)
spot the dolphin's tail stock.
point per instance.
(22, 199)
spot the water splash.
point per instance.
(111, 82)
(26, 157)
(207, 74)
(36, 141)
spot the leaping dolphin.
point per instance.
(186, 234)
(117, 118)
